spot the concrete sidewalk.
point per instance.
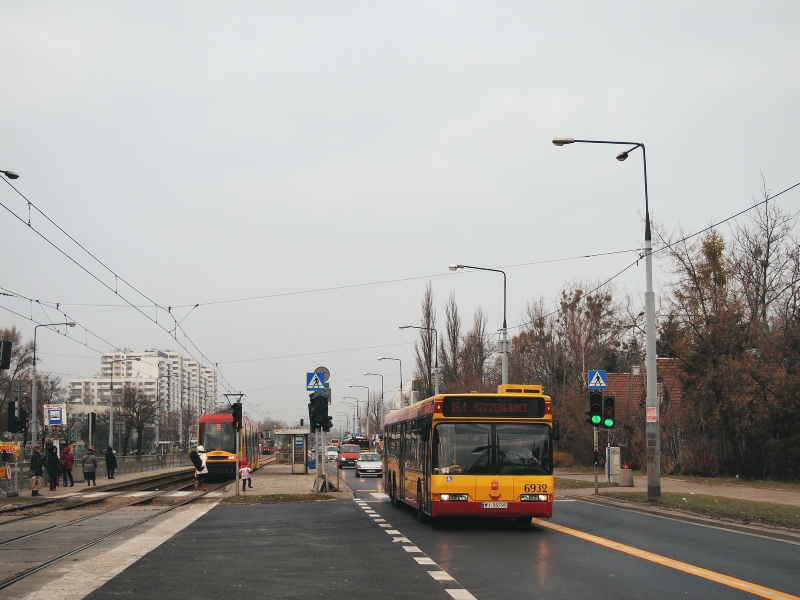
(678, 486)
(279, 479)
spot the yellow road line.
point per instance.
(739, 584)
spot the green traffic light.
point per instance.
(595, 419)
(608, 422)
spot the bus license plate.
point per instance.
(494, 505)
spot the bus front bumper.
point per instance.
(476, 509)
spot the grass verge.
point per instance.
(564, 483)
(732, 481)
(276, 498)
(746, 511)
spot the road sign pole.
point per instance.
(596, 450)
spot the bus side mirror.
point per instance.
(556, 435)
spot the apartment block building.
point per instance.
(161, 374)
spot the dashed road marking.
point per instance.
(441, 575)
(404, 540)
(379, 520)
(385, 525)
(379, 495)
(411, 549)
(96, 494)
(424, 560)
(393, 532)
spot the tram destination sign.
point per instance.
(475, 406)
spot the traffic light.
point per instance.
(14, 424)
(327, 424)
(595, 411)
(596, 459)
(608, 412)
(236, 410)
(318, 411)
(5, 355)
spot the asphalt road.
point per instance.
(368, 548)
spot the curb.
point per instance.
(675, 515)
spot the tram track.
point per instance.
(8, 581)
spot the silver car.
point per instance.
(331, 452)
(369, 463)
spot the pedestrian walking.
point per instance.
(244, 474)
(53, 467)
(67, 462)
(36, 471)
(90, 466)
(111, 462)
(201, 470)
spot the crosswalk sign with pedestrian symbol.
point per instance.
(315, 381)
(597, 380)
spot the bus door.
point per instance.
(424, 429)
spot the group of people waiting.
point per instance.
(61, 466)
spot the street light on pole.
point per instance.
(380, 406)
(436, 349)
(10, 174)
(366, 388)
(652, 425)
(356, 411)
(401, 374)
(504, 341)
(34, 413)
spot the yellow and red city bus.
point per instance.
(487, 455)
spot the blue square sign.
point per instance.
(597, 380)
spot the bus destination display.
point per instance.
(493, 407)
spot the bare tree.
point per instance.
(424, 349)
(21, 365)
(450, 346)
(137, 410)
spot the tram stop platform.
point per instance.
(278, 479)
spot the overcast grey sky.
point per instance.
(215, 151)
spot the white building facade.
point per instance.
(175, 382)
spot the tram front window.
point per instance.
(217, 436)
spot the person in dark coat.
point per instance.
(69, 461)
(111, 462)
(53, 468)
(89, 466)
(36, 467)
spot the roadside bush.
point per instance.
(562, 460)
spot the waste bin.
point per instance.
(625, 478)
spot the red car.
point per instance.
(348, 455)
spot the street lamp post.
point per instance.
(436, 347)
(401, 374)
(652, 427)
(356, 412)
(504, 341)
(380, 406)
(34, 413)
(10, 174)
(366, 388)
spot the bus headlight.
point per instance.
(454, 497)
(533, 498)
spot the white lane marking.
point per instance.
(393, 532)
(96, 494)
(411, 549)
(379, 520)
(441, 575)
(557, 499)
(379, 495)
(75, 584)
(403, 540)
(424, 560)
(137, 494)
(461, 594)
(385, 525)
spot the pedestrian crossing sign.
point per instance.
(597, 380)
(315, 382)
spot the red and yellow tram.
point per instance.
(217, 435)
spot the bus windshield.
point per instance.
(486, 449)
(217, 436)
